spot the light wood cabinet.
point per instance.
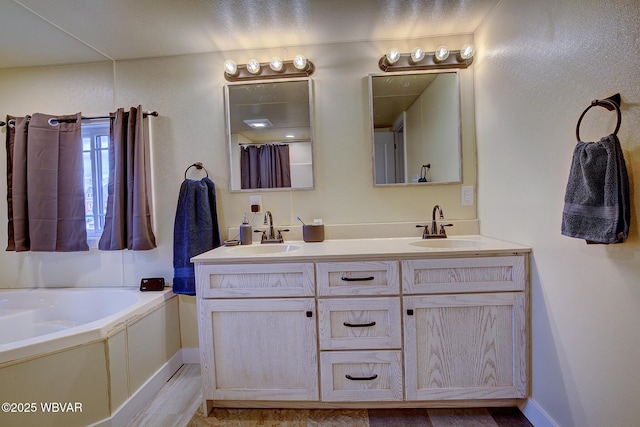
(254, 349)
(357, 376)
(470, 346)
(404, 332)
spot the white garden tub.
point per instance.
(36, 321)
(105, 350)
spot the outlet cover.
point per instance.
(255, 202)
(466, 195)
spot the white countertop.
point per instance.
(346, 249)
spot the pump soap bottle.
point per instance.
(245, 232)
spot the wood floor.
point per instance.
(179, 404)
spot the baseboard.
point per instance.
(536, 415)
(132, 406)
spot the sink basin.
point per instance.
(448, 243)
(263, 249)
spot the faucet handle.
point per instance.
(264, 234)
(442, 226)
(425, 232)
(279, 236)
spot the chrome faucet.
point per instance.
(268, 219)
(434, 233)
(436, 208)
(271, 237)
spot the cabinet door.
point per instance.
(465, 346)
(259, 349)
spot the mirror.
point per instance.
(416, 128)
(270, 135)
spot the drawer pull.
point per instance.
(357, 279)
(359, 325)
(373, 377)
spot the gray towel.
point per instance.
(596, 202)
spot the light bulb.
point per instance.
(417, 55)
(253, 66)
(230, 68)
(442, 53)
(276, 64)
(300, 62)
(467, 51)
(393, 56)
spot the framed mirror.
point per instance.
(270, 135)
(416, 128)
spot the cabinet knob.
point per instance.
(309, 313)
(410, 312)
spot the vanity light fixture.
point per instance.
(421, 60)
(275, 64)
(276, 68)
(253, 66)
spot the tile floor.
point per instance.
(178, 404)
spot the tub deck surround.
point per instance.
(378, 322)
(115, 348)
(36, 321)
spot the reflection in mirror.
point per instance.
(416, 127)
(270, 135)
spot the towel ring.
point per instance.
(197, 165)
(610, 103)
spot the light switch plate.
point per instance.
(466, 195)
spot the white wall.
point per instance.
(540, 64)
(187, 91)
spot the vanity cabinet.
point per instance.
(400, 331)
(258, 348)
(359, 313)
(469, 344)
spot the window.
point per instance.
(95, 153)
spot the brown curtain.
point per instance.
(46, 195)
(265, 166)
(128, 216)
(10, 142)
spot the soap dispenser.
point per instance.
(245, 232)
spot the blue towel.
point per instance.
(195, 231)
(596, 202)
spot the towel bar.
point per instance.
(610, 103)
(197, 165)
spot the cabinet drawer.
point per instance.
(481, 274)
(359, 323)
(255, 280)
(352, 376)
(358, 278)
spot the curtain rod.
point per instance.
(54, 120)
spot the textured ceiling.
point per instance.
(46, 32)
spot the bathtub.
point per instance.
(104, 350)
